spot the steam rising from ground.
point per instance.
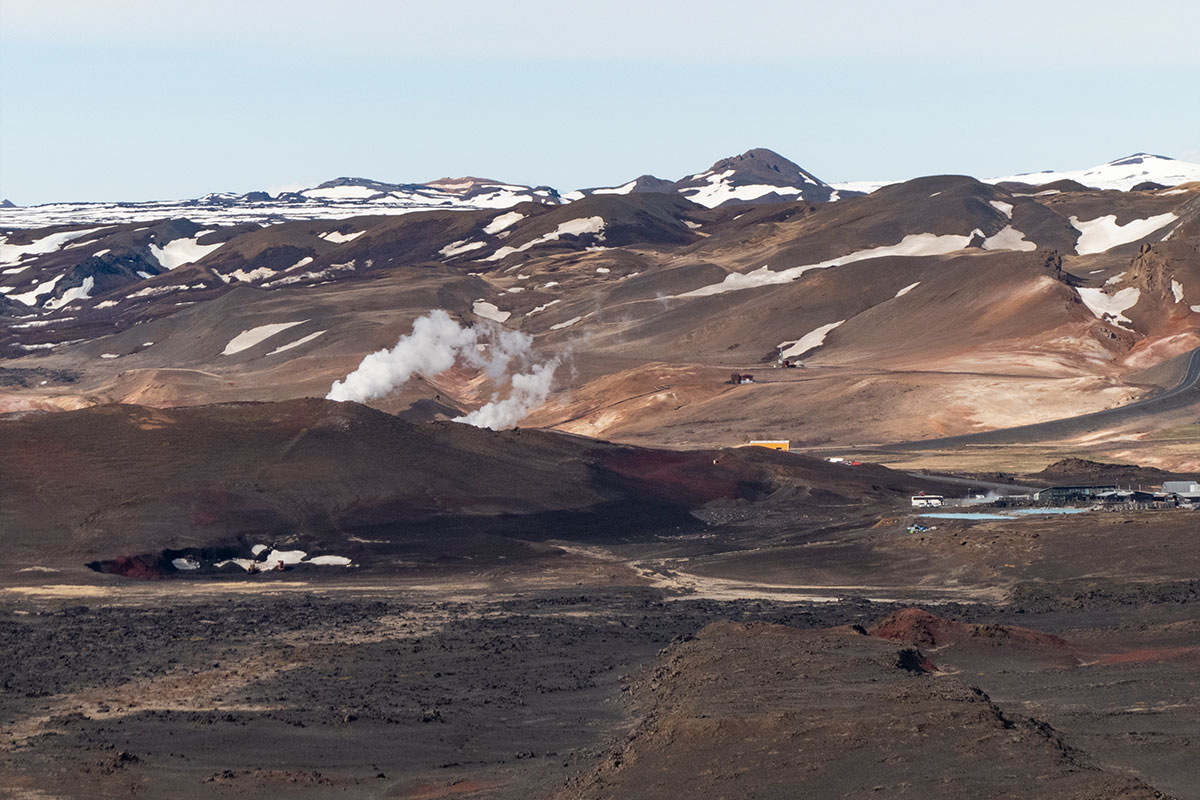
(436, 343)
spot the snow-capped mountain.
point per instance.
(756, 176)
(1122, 174)
(335, 199)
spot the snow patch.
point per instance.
(81, 292)
(12, 253)
(297, 343)
(178, 252)
(329, 561)
(490, 311)
(573, 227)
(1103, 233)
(623, 189)
(1177, 290)
(1002, 207)
(1008, 239)
(809, 341)
(907, 289)
(566, 324)
(541, 308)
(30, 298)
(341, 238)
(915, 244)
(719, 191)
(866, 187)
(342, 193)
(242, 276)
(462, 246)
(247, 339)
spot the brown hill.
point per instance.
(111, 480)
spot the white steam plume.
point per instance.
(435, 344)
(529, 390)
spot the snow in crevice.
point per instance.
(1177, 290)
(1111, 307)
(907, 289)
(266, 559)
(1004, 208)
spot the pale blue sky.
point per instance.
(142, 99)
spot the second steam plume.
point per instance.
(435, 344)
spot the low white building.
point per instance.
(928, 501)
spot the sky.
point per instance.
(167, 99)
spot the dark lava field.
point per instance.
(581, 680)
